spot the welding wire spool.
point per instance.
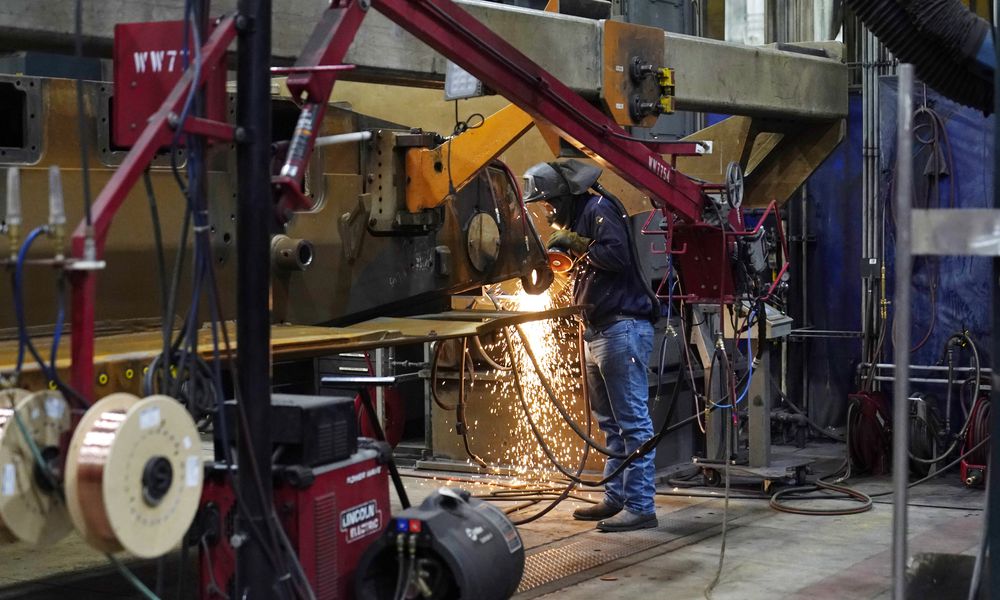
(31, 509)
(134, 474)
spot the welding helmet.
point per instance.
(558, 184)
(544, 182)
(549, 180)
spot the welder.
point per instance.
(619, 309)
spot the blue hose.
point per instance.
(24, 342)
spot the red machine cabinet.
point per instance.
(330, 523)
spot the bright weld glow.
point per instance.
(554, 345)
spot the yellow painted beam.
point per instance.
(432, 174)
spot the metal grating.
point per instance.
(593, 549)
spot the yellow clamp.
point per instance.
(665, 76)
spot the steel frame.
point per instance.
(442, 25)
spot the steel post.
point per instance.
(759, 408)
(256, 575)
(901, 387)
(993, 482)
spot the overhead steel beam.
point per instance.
(710, 75)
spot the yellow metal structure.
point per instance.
(434, 174)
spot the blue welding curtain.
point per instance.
(833, 272)
(962, 296)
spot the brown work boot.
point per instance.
(601, 510)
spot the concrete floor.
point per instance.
(768, 554)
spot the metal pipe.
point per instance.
(343, 138)
(921, 380)
(993, 482)
(804, 250)
(927, 368)
(256, 576)
(901, 387)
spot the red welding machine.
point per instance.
(331, 514)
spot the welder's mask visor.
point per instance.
(531, 190)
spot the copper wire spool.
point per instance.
(560, 262)
(134, 474)
(31, 509)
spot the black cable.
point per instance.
(80, 116)
(809, 421)
(460, 422)
(181, 565)
(585, 393)
(161, 261)
(639, 452)
(940, 471)
(397, 482)
(438, 347)
(161, 567)
(560, 407)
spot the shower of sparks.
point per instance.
(554, 343)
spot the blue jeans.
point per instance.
(619, 390)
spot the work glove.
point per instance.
(568, 240)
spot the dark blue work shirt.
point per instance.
(607, 281)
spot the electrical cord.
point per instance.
(478, 344)
(984, 544)
(585, 393)
(80, 115)
(438, 347)
(161, 261)
(725, 513)
(560, 407)
(796, 409)
(959, 438)
(397, 482)
(639, 452)
(185, 347)
(847, 494)
(460, 422)
(940, 471)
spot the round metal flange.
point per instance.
(734, 185)
(483, 241)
